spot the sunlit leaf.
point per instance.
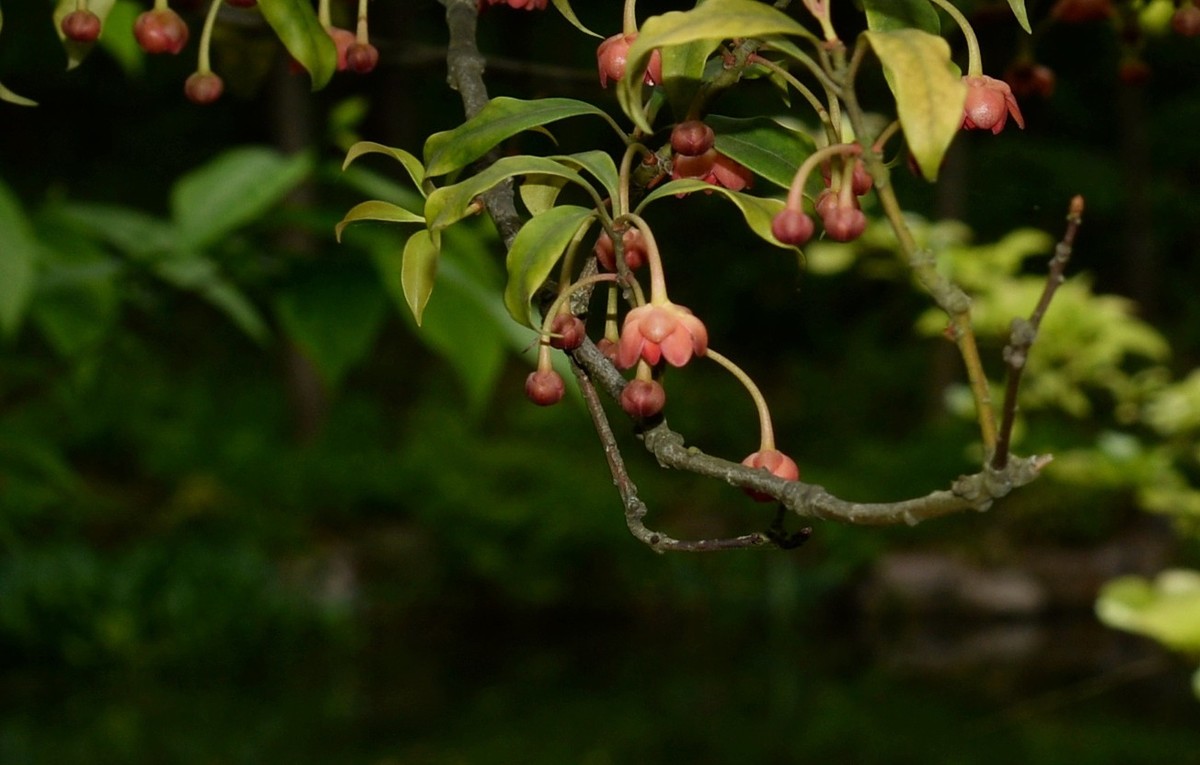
(418, 271)
(1018, 9)
(929, 93)
(1166, 609)
(415, 169)
(296, 24)
(77, 51)
(450, 204)
(890, 15)
(376, 210)
(232, 190)
(502, 118)
(764, 146)
(723, 20)
(757, 211)
(533, 254)
(18, 262)
(599, 164)
(564, 7)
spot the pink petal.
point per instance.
(630, 346)
(656, 324)
(677, 349)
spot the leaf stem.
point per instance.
(795, 197)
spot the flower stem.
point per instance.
(800, 87)
(631, 151)
(974, 60)
(795, 195)
(562, 297)
(203, 65)
(323, 14)
(629, 20)
(658, 280)
(360, 31)
(766, 431)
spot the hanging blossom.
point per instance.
(661, 331)
(989, 104)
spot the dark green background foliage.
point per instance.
(248, 513)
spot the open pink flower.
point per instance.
(665, 331)
(611, 59)
(712, 167)
(989, 104)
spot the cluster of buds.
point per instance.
(162, 30)
(837, 205)
(695, 156)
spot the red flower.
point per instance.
(611, 55)
(666, 331)
(775, 462)
(712, 167)
(989, 104)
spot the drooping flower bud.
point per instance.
(643, 398)
(792, 226)
(81, 26)
(160, 31)
(544, 387)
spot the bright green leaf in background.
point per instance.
(502, 118)
(534, 253)
(130, 231)
(198, 274)
(237, 187)
(18, 262)
(767, 148)
(296, 24)
(929, 92)
(1166, 609)
(713, 20)
(124, 47)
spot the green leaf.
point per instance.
(502, 118)
(540, 192)
(124, 47)
(1018, 9)
(8, 95)
(890, 15)
(234, 189)
(929, 93)
(78, 296)
(18, 262)
(763, 145)
(415, 169)
(418, 271)
(599, 163)
(376, 210)
(296, 24)
(130, 231)
(714, 20)
(1167, 609)
(450, 204)
(535, 251)
(334, 315)
(564, 7)
(683, 72)
(77, 51)
(198, 274)
(758, 211)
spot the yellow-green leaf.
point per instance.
(929, 92)
(713, 20)
(564, 8)
(1018, 9)
(889, 15)
(757, 211)
(535, 251)
(411, 164)
(417, 272)
(376, 210)
(1167, 609)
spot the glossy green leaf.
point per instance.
(296, 24)
(534, 253)
(540, 192)
(18, 262)
(234, 189)
(450, 204)
(890, 15)
(200, 275)
(757, 211)
(1018, 9)
(597, 163)
(418, 271)
(333, 315)
(766, 147)
(415, 169)
(564, 7)
(376, 210)
(77, 51)
(683, 72)
(929, 93)
(502, 118)
(713, 20)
